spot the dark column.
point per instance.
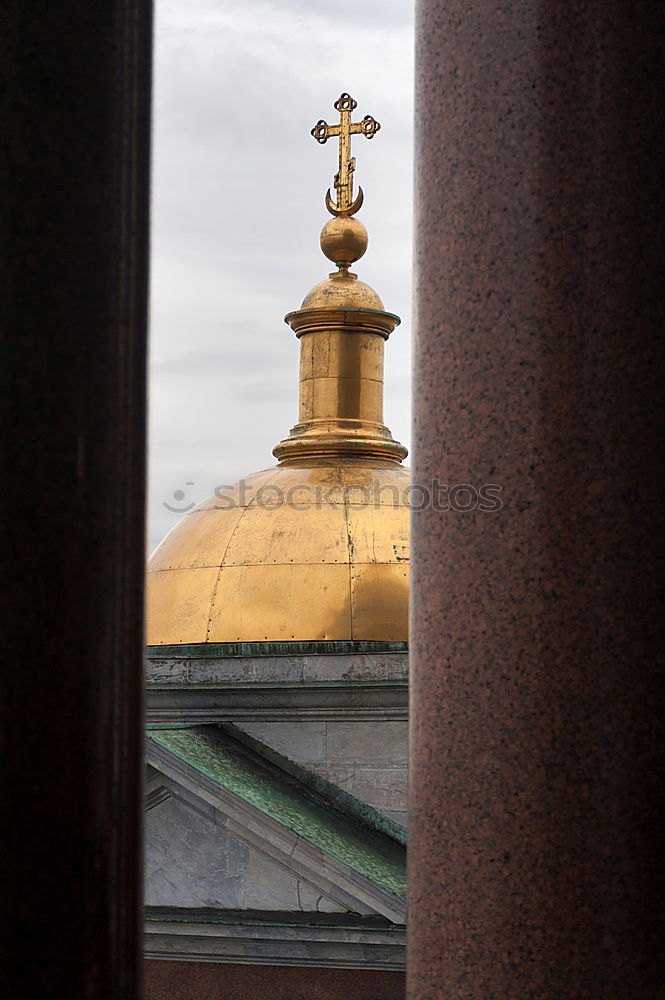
(536, 666)
(217, 981)
(75, 126)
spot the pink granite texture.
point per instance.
(221, 981)
(536, 655)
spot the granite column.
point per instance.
(537, 710)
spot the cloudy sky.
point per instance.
(238, 189)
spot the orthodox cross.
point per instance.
(347, 164)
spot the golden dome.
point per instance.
(317, 547)
(342, 290)
(317, 552)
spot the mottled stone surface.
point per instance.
(206, 981)
(195, 684)
(380, 788)
(304, 742)
(192, 860)
(382, 744)
(366, 759)
(192, 667)
(315, 940)
(535, 666)
(339, 848)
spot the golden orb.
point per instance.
(344, 240)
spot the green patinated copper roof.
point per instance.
(322, 789)
(215, 754)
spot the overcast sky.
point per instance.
(238, 204)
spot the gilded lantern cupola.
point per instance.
(315, 547)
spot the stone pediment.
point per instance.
(230, 829)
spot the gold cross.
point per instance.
(344, 177)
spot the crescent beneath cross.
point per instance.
(351, 210)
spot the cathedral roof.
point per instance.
(315, 548)
(326, 836)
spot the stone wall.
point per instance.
(368, 759)
(338, 709)
(192, 860)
